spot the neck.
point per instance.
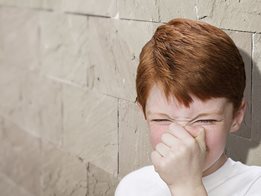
(216, 165)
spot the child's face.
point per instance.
(215, 115)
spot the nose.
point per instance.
(181, 123)
(193, 130)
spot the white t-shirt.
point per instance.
(232, 179)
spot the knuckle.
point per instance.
(154, 158)
(164, 136)
(182, 149)
(191, 143)
(158, 146)
(163, 165)
(172, 155)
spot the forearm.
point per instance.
(189, 191)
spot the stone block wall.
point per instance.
(68, 121)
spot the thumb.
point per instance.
(201, 139)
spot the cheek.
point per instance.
(215, 141)
(156, 132)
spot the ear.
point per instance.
(238, 117)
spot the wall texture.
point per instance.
(68, 121)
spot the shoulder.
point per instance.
(246, 172)
(144, 181)
(234, 178)
(250, 178)
(252, 171)
(255, 177)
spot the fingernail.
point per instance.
(201, 129)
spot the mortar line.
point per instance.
(158, 10)
(196, 10)
(28, 8)
(87, 173)
(241, 31)
(118, 136)
(251, 82)
(21, 127)
(11, 181)
(140, 20)
(86, 14)
(62, 116)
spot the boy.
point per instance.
(190, 84)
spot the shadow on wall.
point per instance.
(248, 137)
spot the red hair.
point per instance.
(187, 57)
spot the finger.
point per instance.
(199, 134)
(169, 139)
(179, 132)
(155, 159)
(162, 149)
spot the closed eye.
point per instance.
(160, 120)
(206, 121)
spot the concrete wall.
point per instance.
(68, 122)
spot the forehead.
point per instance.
(158, 103)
